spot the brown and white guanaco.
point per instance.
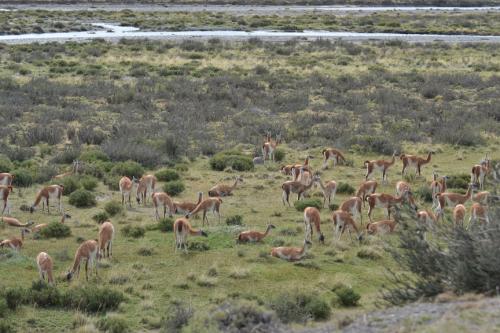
(386, 201)
(478, 213)
(207, 205)
(412, 161)
(13, 222)
(183, 229)
(332, 154)
(5, 191)
(451, 199)
(146, 185)
(459, 214)
(380, 165)
(163, 200)
(222, 190)
(481, 197)
(381, 227)
(269, 147)
(479, 172)
(88, 251)
(365, 188)
(312, 219)
(14, 243)
(106, 236)
(437, 186)
(427, 218)
(353, 207)
(342, 221)
(293, 186)
(329, 190)
(45, 266)
(254, 236)
(184, 207)
(403, 188)
(51, 192)
(126, 186)
(6, 178)
(291, 253)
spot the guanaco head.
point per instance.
(69, 276)
(204, 234)
(322, 238)
(32, 209)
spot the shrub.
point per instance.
(15, 297)
(182, 167)
(113, 208)
(232, 159)
(299, 307)
(167, 175)
(100, 217)
(129, 169)
(112, 181)
(319, 309)
(279, 155)
(3, 308)
(458, 181)
(178, 315)
(368, 253)
(88, 182)
(6, 327)
(300, 205)
(113, 324)
(44, 295)
(133, 231)
(234, 220)
(22, 178)
(70, 184)
(94, 155)
(67, 156)
(345, 188)
(93, 299)
(82, 198)
(424, 193)
(174, 188)
(6, 164)
(245, 317)
(198, 246)
(347, 296)
(55, 230)
(166, 225)
(333, 207)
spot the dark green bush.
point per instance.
(234, 220)
(232, 159)
(112, 181)
(93, 155)
(174, 188)
(67, 156)
(178, 315)
(22, 178)
(300, 307)
(424, 193)
(167, 175)
(345, 188)
(166, 225)
(15, 297)
(93, 299)
(100, 217)
(279, 155)
(3, 308)
(300, 205)
(319, 309)
(347, 296)
(197, 245)
(55, 230)
(6, 164)
(44, 295)
(113, 208)
(133, 231)
(113, 324)
(458, 181)
(82, 198)
(333, 207)
(129, 169)
(70, 183)
(6, 328)
(88, 182)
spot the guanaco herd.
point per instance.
(301, 182)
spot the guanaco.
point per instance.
(291, 253)
(304, 176)
(386, 201)
(293, 186)
(268, 148)
(381, 227)
(222, 190)
(365, 188)
(481, 197)
(6, 178)
(254, 236)
(353, 207)
(342, 221)
(402, 188)
(478, 213)
(426, 218)
(14, 243)
(37, 228)
(207, 205)
(5, 190)
(146, 185)
(13, 222)
(380, 165)
(46, 193)
(451, 199)
(182, 229)
(45, 266)
(126, 185)
(459, 214)
(106, 236)
(479, 172)
(163, 200)
(88, 251)
(332, 154)
(312, 217)
(304, 166)
(437, 186)
(185, 207)
(412, 161)
(329, 190)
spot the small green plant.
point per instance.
(113, 324)
(347, 296)
(234, 220)
(88, 182)
(55, 230)
(460, 181)
(369, 253)
(166, 225)
(174, 188)
(133, 231)
(15, 297)
(82, 199)
(333, 207)
(167, 175)
(345, 188)
(129, 169)
(279, 155)
(231, 159)
(113, 208)
(300, 205)
(70, 184)
(100, 217)
(198, 246)
(300, 307)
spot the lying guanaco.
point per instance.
(207, 205)
(46, 193)
(182, 229)
(185, 207)
(146, 185)
(88, 251)
(312, 217)
(412, 161)
(293, 186)
(45, 266)
(332, 154)
(222, 190)
(459, 214)
(5, 190)
(342, 221)
(14, 243)
(253, 236)
(163, 200)
(13, 222)
(291, 253)
(106, 236)
(381, 227)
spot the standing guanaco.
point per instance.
(437, 186)
(253, 236)
(479, 172)
(451, 199)
(222, 190)
(402, 188)
(459, 214)
(478, 213)
(87, 251)
(268, 148)
(385, 201)
(293, 186)
(162, 199)
(329, 190)
(353, 207)
(380, 165)
(185, 207)
(126, 186)
(304, 166)
(291, 253)
(412, 161)
(426, 218)
(146, 185)
(5, 190)
(365, 188)
(46, 193)
(332, 154)
(182, 229)
(481, 197)
(45, 266)
(304, 176)
(106, 236)
(6, 178)
(207, 205)
(312, 217)
(342, 221)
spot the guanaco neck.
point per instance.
(428, 158)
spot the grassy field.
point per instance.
(31, 21)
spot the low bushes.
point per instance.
(70, 183)
(300, 205)
(231, 159)
(300, 307)
(174, 188)
(100, 217)
(279, 155)
(82, 199)
(133, 231)
(347, 296)
(424, 193)
(6, 164)
(177, 317)
(129, 169)
(55, 230)
(167, 175)
(234, 220)
(88, 182)
(458, 181)
(113, 324)
(345, 188)
(113, 208)
(22, 178)
(166, 225)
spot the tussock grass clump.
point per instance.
(346, 295)
(178, 316)
(424, 193)
(133, 231)
(459, 181)
(239, 273)
(119, 279)
(55, 230)
(234, 220)
(166, 225)
(206, 281)
(300, 205)
(279, 154)
(199, 246)
(245, 317)
(174, 188)
(100, 217)
(145, 251)
(113, 324)
(369, 253)
(82, 199)
(345, 188)
(167, 175)
(299, 307)
(113, 208)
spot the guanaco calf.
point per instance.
(222, 190)
(48, 193)
(380, 227)
(437, 186)
(329, 190)
(106, 236)
(88, 251)
(5, 190)
(163, 200)
(126, 186)
(207, 205)
(253, 236)
(342, 221)
(380, 165)
(459, 214)
(185, 207)
(182, 229)
(45, 266)
(478, 213)
(146, 185)
(332, 154)
(412, 161)
(365, 188)
(291, 253)
(293, 186)
(312, 217)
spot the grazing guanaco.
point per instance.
(329, 190)
(479, 172)
(426, 217)
(106, 236)
(293, 186)
(87, 251)
(342, 221)
(14, 243)
(126, 186)
(146, 185)
(478, 213)
(5, 190)
(6, 178)
(304, 176)
(162, 199)
(253, 236)
(222, 190)
(287, 169)
(412, 161)
(381, 227)
(451, 199)
(403, 187)
(481, 197)
(185, 207)
(207, 205)
(382, 200)
(46, 193)
(13, 222)
(380, 165)
(312, 217)
(332, 154)
(182, 229)
(353, 207)
(45, 266)
(365, 188)
(304, 166)
(459, 214)
(291, 253)
(268, 148)
(437, 186)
